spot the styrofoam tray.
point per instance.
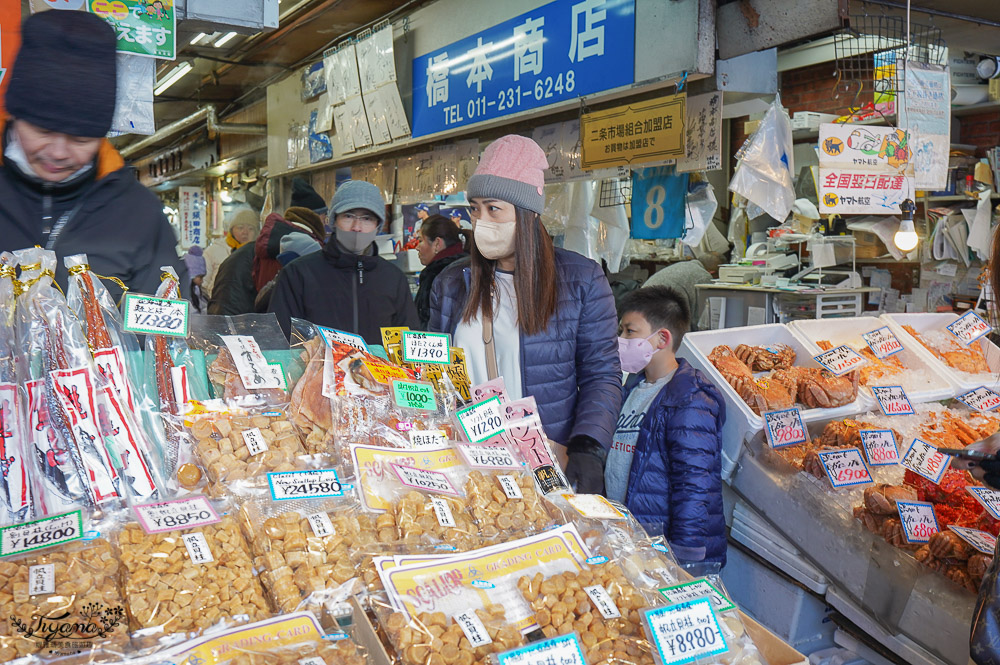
(741, 421)
(925, 383)
(937, 321)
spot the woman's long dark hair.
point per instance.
(439, 226)
(534, 276)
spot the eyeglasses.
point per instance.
(364, 219)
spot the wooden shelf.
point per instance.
(955, 198)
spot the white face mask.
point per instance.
(495, 240)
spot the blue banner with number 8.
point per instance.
(658, 203)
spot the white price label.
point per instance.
(882, 342)
(602, 600)
(255, 441)
(893, 400)
(785, 428)
(442, 511)
(969, 327)
(422, 438)
(176, 514)
(254, 370)
(593, 506)
(197, 547)
(321, 525)
(562, 650)
(841, 360)
(981, 399)
(425, 479)
(42, 579)
(924, 459)
(990, 499)
(845, 467)
(41, 533)
(489, 457)
(350, 339)
(510, 487)
(880, 446)
(982, 541)
(681, 593)
(473, 627)
(155, 316)
(482, 421)
(919, 520)
(312, 484)
(315, 660)
(685, 632)
(423, 347)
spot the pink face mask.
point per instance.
(635, 353)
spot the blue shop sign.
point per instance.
(562, 50)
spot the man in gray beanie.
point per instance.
(347, 286)
(62, 185)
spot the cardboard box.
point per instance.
(868, 245)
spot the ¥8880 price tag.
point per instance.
(155, 316)
(919, 520)
(414, 395)
(421, 347)
(685, 632)
(784, 428)
(969, 327)
(880, 446)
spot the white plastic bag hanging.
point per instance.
(134, 100)
(764, 173)
(699, 210)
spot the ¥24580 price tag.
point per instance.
(155, 316)
(981, 399)
(969, 327)
(176, 514)
(919, 520)
(845, 467)
(893, 400)
(414, 395)
(882, 342)
(841, 360)
(41, 533)
(784, 428)
(423, 347)
(312, 484)
(880, 446)
(685, 632)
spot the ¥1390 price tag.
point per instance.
(845, 467)
(990, 498)
(685, 632)
(41, 533)
(155, 316)
(562, 650)
(841, 360)
(423, 347)
(784, 428)
(893, 400)
(969, 327)
(983, 541)
(312, 484)
(924, 459)
(175, 514)
(880, 446)
(981, 399)
(414, 395)
(882, 342)
(919, 520)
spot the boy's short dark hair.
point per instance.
(662, 307)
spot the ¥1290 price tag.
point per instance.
(562, 650)
(880, 446)
(685, 632)
(845, 467)
(155, 316)
(981, 399)
(784, 428)
(312, 484)
(924, 459)
(414, 395)
(481, 421)
(882, 342)
(841, 360)
(41, 533)
(424, 347)
(919, 520)
(990, 498)
(969, 327)
(983, 541)
(893, 400)
(175, 514)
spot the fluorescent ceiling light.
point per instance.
(200, 36)
(224, 39)
(173, 77)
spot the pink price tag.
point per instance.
(893, 400)
(841, 360)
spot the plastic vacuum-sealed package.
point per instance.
(310, 409)
(15, 490)
(431, 509)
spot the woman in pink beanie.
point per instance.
(542, 317)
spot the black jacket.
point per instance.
(233, 291)
(117, 223)
(359, 294)
(427, 275)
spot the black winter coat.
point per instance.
(427, 275)
(118, 223)
(334, 288)
(233, 291)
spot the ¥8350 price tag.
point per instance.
(422, 347)
(685, 632)
(414, 395)
(893, 400)
(969, 327)
(840, 360)
(155, 316)
(981, 399)
(919, 520)
(924, 459)
(882, 342)
(845, 467)
(784, 428)
(880, 446)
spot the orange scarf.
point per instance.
(231, 241)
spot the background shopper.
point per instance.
(441, 244)
(242, 226)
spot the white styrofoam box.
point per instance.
(930, 385)
(938, 321)
(741, 421)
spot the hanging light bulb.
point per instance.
(906, 237)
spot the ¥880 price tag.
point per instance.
(421, 347)
(845, 467)
(784, 428)
(685, 632)
(893, 400)
(882, 342)
(880, 446)
(155, 316)
(414, 395)
(919, 520)
(981, 399)
(841, 360)
(969, 327)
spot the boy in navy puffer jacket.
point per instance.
(665, 462)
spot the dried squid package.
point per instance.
(72, 464)
(310, 408)
(15, 490)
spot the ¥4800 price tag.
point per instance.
(414, 395)
(156, 316)
(685, 632)
(784, 428)
(924, 459)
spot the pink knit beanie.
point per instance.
(512, 169)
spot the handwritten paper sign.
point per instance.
(882, 342)
(924, 459)
(562, 650)
(983, 541)
(845, 467)
(155, 316)
(841, 360)
(481, 421)
(969, 327)
(421, 347)
(981, 399)
(784, 428)
(685, 632)
(990, 498)
(919, 520)
(880, 446)
(893, 400)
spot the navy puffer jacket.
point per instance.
(572, 368)
(675, 484)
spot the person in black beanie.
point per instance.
(62, 185)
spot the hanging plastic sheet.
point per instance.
(764, 173)
(699, 210)
(134, 96)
